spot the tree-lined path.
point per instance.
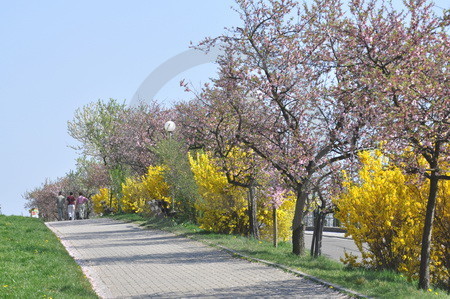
(124, 261)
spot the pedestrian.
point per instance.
(60, 206)
(71, 206)
(81, 205)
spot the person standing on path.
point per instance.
(81, 205)
(71, 206)
(60, 206)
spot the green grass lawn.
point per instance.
(380, 284)
(34, 264)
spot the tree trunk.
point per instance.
(298, 240)
(110, 198)
(318, 249)
(316, 244)
(275, 227)
(315, 222)
(298, 227)
(254, 229)
(424, 272)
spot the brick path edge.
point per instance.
(90, 274)
(284, 268)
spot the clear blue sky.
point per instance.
(56, 56)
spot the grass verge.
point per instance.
(379, 284)
(34, 264)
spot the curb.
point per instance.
(330, 236)
(287, 269)
(234, 253)
(85, 267)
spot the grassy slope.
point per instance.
(34, 264)
(380, 284)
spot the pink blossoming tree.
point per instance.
(402, 60)
(291, 113)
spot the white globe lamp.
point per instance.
(170, 126)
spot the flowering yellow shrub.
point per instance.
(103, 203)
(285, 214)
(384, 212)
(136, 192)
(224, 207)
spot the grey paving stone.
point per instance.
(124, 261)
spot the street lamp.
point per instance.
(170, 126)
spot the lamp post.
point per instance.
(170, 126)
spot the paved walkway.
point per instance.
(124, 261)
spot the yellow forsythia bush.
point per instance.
(285, 214)
(136, 192)
(224, 207)
(384, 212)
(103, 203)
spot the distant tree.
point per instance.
(137, 131)
(120, 137)
(88, 178)
(92, 176)
(173, 153)
(93, 125)
(44, 198)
